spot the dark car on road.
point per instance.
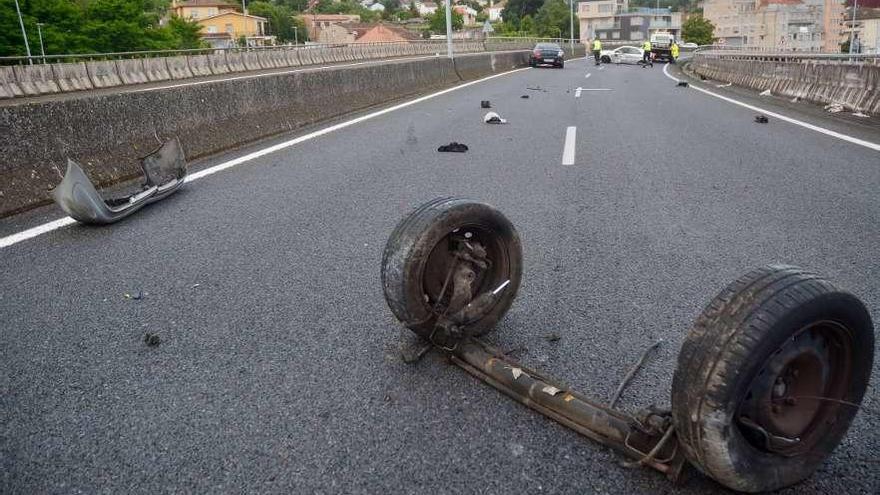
(547, 54)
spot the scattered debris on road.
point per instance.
(152, 339)
(194, 286)
(702, 77)
(164, 172)
(834, 107)
(859, 114)
(724, 85)
(493, 118)
(761, 119)
(553, 337)
(537, 88)
(682, 84)
(524, 96)
(136, 296)
(453, 147)
(485, 104)
(795, 99)
(766, 92)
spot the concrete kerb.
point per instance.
(178, 67)
(36, 79)
(72, 76)
(9, 87)
(103, 73)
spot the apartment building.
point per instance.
(787, 25)
(612, 20)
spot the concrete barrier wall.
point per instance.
(855, 86)
(36, 79)
(103, 73)
(108, 133)
(72, 76)
(9, 87)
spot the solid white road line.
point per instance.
(577, 92)
(598, 89)
(63, 222)
(827, 132)
(568, 149)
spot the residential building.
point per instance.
(199, 9)
(227, 29)
(494, 10)
(381, 32)
(796, 25)
(468, 14)
(866, 29)
(326, 28)
(612, 20)
(426, 8)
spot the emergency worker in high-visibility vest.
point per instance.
(673, 50)
(597, 50)
(646, 55)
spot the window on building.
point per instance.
(636, 36)
(212, 11)
(194, 13)
(635, 21)
(615, 35)
(212, 29)
(605, 8)
(603, 36)
(230, 28)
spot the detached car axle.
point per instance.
(769, 378)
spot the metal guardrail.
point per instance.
(79, 72)
(775, 55)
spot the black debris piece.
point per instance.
(553, 337)
(524, 96)
(485, 104)
(761, 119)
(453, 147)
(682, 84)
(702, 77)
(151, 339)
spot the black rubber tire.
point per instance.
(414, 239)
(605, 59)
(728, 347)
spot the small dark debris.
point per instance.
(682, 84)
(515, 350)
(485, 104)
(136, 295)
(152, 339)
(535, 89)
(524, 96)
(761, 119)
(553, 337)
(453, 147)
(702, 77)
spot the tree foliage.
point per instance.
(93, 26)
(698, 30)
(553, 20)
(437, 21)
(517, 9)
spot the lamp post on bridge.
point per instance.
(27, 47)
(852, 27)
(449, 28)
(40, 33)
(295, 36)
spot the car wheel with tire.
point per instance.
(770, 377)
(433, 247)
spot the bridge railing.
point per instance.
(31, 76)
(774, 55)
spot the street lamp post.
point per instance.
(295, 35)
(449, 28)
(571, 24)
(27, 47)
(40, 33)
(852, 27)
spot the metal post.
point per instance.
(852, 27)
(571, 26)
(449, 28)
(40, 33)
(27, 47)
(295, 36)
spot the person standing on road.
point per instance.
(673, 50)
(646, 55)
(597, 50)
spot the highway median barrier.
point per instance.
(131, 71)
(178, 67)
(72, 76)
(9, 87)
(207, 118)
(156, 69)
(200, 65)
(36, 79)
(103, 73)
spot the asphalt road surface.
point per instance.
(279, 369)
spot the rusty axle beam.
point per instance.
(600, 423)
